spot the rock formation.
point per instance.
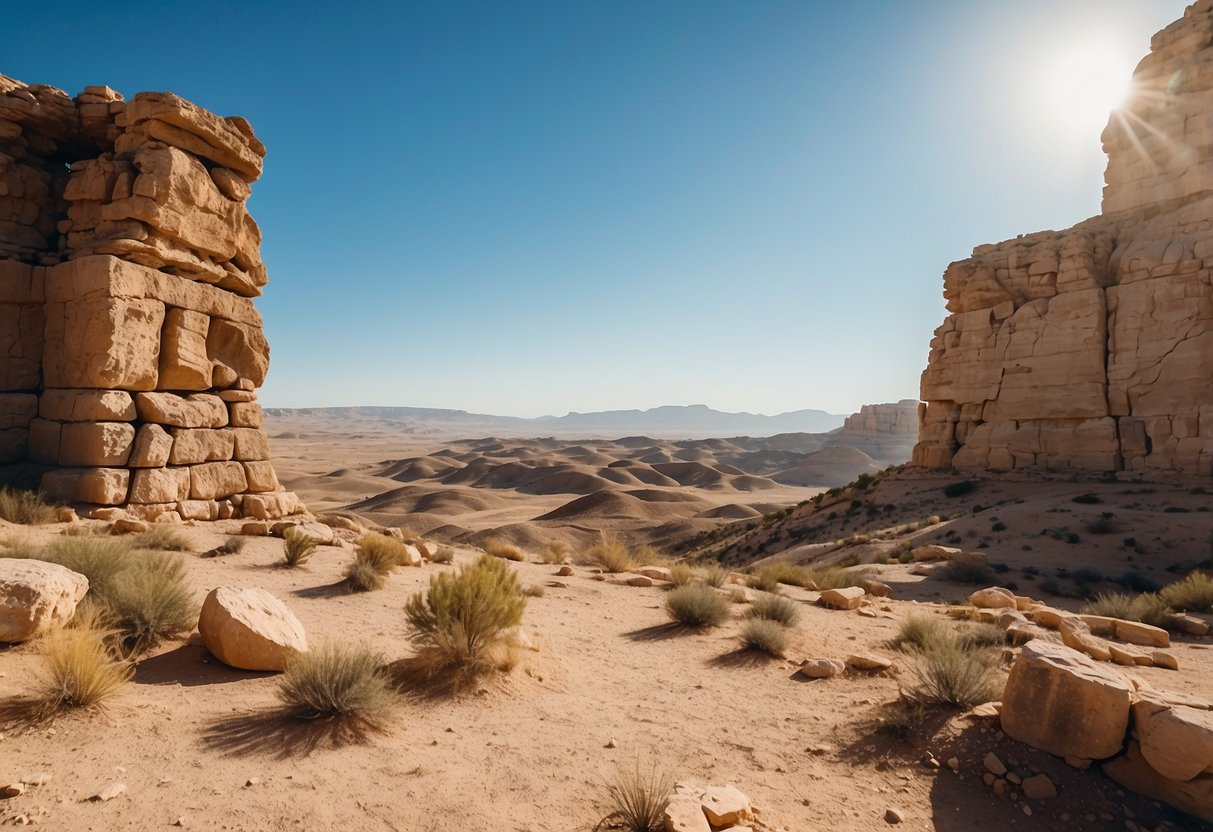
(130, 349)
(1092, 348)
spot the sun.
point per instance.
(1080, 86)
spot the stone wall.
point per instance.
(1092, 348)
(130, 349)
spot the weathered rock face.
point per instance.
(1092, 348)
(36, 596)
(128, 337)
(250, 629)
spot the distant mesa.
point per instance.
(130, 349)
(1092, 348)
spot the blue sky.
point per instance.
(527, 208)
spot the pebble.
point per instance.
(12, 790)
(109, 792)
(954, 764)
(994, 765)
(611, 743)
(892, 815)
(35, 778)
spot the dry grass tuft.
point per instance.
(638, 800)
(376, 556)
(715, 576)
(161, 537)
(499, 548)
(336, 681)
(923, 632)
(1193, 594)
(1148, 608)
(682, 574)
(24, 507)
(764, 635)
(554, 552)
(443, 554)
(297, 548)
(464, 616)
(150, 601)
(80, 668)
(697, 605)
(611, 554)
(954, 676)
(775, 608)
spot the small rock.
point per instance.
(66, 514)
(994, 765)
(846, 598)
(1165, 660)
(12, 790)
(125, 525)
(564, 572)
(598, 577)
(685, 814)
(822, 668)
(868, 661)
(725, 805)
(252, 781)
(892, 815)
(640, 580)
(1039, 787)
(109, 792)
(611, 743)
(35, 778)
(1079, 763)
(954, 764)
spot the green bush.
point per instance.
(24, 507)
(923, 632)
(775, 608)
(464, 615)
(336, 681)
(297, 547)
(1148, 608)
(763, 635)
(97, 558)
(697, 605)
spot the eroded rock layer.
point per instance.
(130, 349)
(1092, 348)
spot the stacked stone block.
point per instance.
(130, 349)
(1092, 348)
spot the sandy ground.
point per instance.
(193, 740)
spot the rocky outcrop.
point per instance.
(885, 432)
(1092, 348)
(130, 349)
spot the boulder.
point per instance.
(846, 598)
(1134, 632)
(36, 596)
(1038, 787)
(639, 580)
(1060, 701)
(822, 668)
(685, 814)
(656, 573)
(1132, 771)
(725, 805)
(868, 662)
(877, 589)
(935, 552)
(250, 629)
(994, 597)
(1176, 741)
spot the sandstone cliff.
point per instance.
(1092, 348)
(130, 349)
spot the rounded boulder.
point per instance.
(250, 629)
(36, 596)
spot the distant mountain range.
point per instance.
(676, 422)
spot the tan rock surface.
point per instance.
(36, 596)
(250, 629)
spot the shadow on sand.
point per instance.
(279, 732)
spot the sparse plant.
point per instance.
(499, 548)
(981, 634)
(150, 601)
(97, 558)
(638, 800)
(611, 553)
(297, 548)
(923, 632)
(534, 591)
(959, 489)
(374, 559)
(336, 681)
(233, 545)
(24, 507)
(765, 636)
(463, 616)
(696, 605)
(950, 675)
(737, 595)
(443, 554)
(646, 555)
(1148, 608)
(681, 573)
(554, 552)
(775, 608)
(1087, 499)
(161, 537)
(79, 668)
(1104, 524)
(715, 576)
(1193, 594)
(966, 571)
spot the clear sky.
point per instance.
(525, 208)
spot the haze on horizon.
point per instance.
(537, 208)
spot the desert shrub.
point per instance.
(554, 551)
(24, 507)
(715, 576)
(79, 668)
(1194, 593)
(1087, 499)
(1087, 575)
(232, 545)
(97, 558)
(83, 530)
(611, 553)
(499, 548)
(161, 537)
(950, 675)
(768, 576)
(1137, 582)
(764, 636)
(150, 601)
(443, 554)
(834, 577)
(775, 608)
(900, 719)
(981, 634)
(646, 555)
(681, 573)
(696, 605)
(297, 547)
(966, 571)
(464, 615)
(763, 580)
(1104, 524)
(374, 559)
(336, 681)
(1148, 608)
(638, 800)
(923, 632)
(959, 489)
(12, 547)
(534, 591)
(737, 595)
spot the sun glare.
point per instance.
(1083, 85)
